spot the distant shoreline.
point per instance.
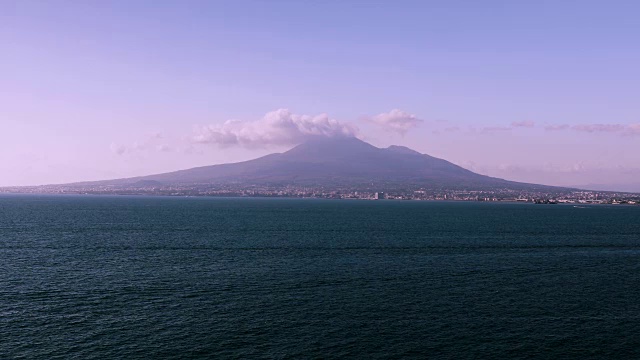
(141, 195)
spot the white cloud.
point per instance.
(510, 168)
(524, 124)
(633, 129)
(118, 149)
(494, 129)
(396, 120)
(150, 144)
(280, 127)
(623, 129)
(164, 148)
(556, 127)
(591, 128)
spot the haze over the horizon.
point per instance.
(540, 92)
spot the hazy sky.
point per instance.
(537, 91)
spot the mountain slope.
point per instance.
(331, 162)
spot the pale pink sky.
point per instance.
(530, 92)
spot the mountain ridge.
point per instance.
(338, 161)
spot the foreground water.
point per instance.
(143, 277)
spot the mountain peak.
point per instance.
(402, 150)
(334, 147)
(334, 140)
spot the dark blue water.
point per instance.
(142, 277)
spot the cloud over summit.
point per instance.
(396, 120)
(284, 128)
(277, 128)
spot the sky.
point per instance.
(537, 91)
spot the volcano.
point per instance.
(338, 161)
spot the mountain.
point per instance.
(340, 161)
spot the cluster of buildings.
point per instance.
(546, 196)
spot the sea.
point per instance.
(135, 277)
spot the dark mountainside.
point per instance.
(333, 162)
